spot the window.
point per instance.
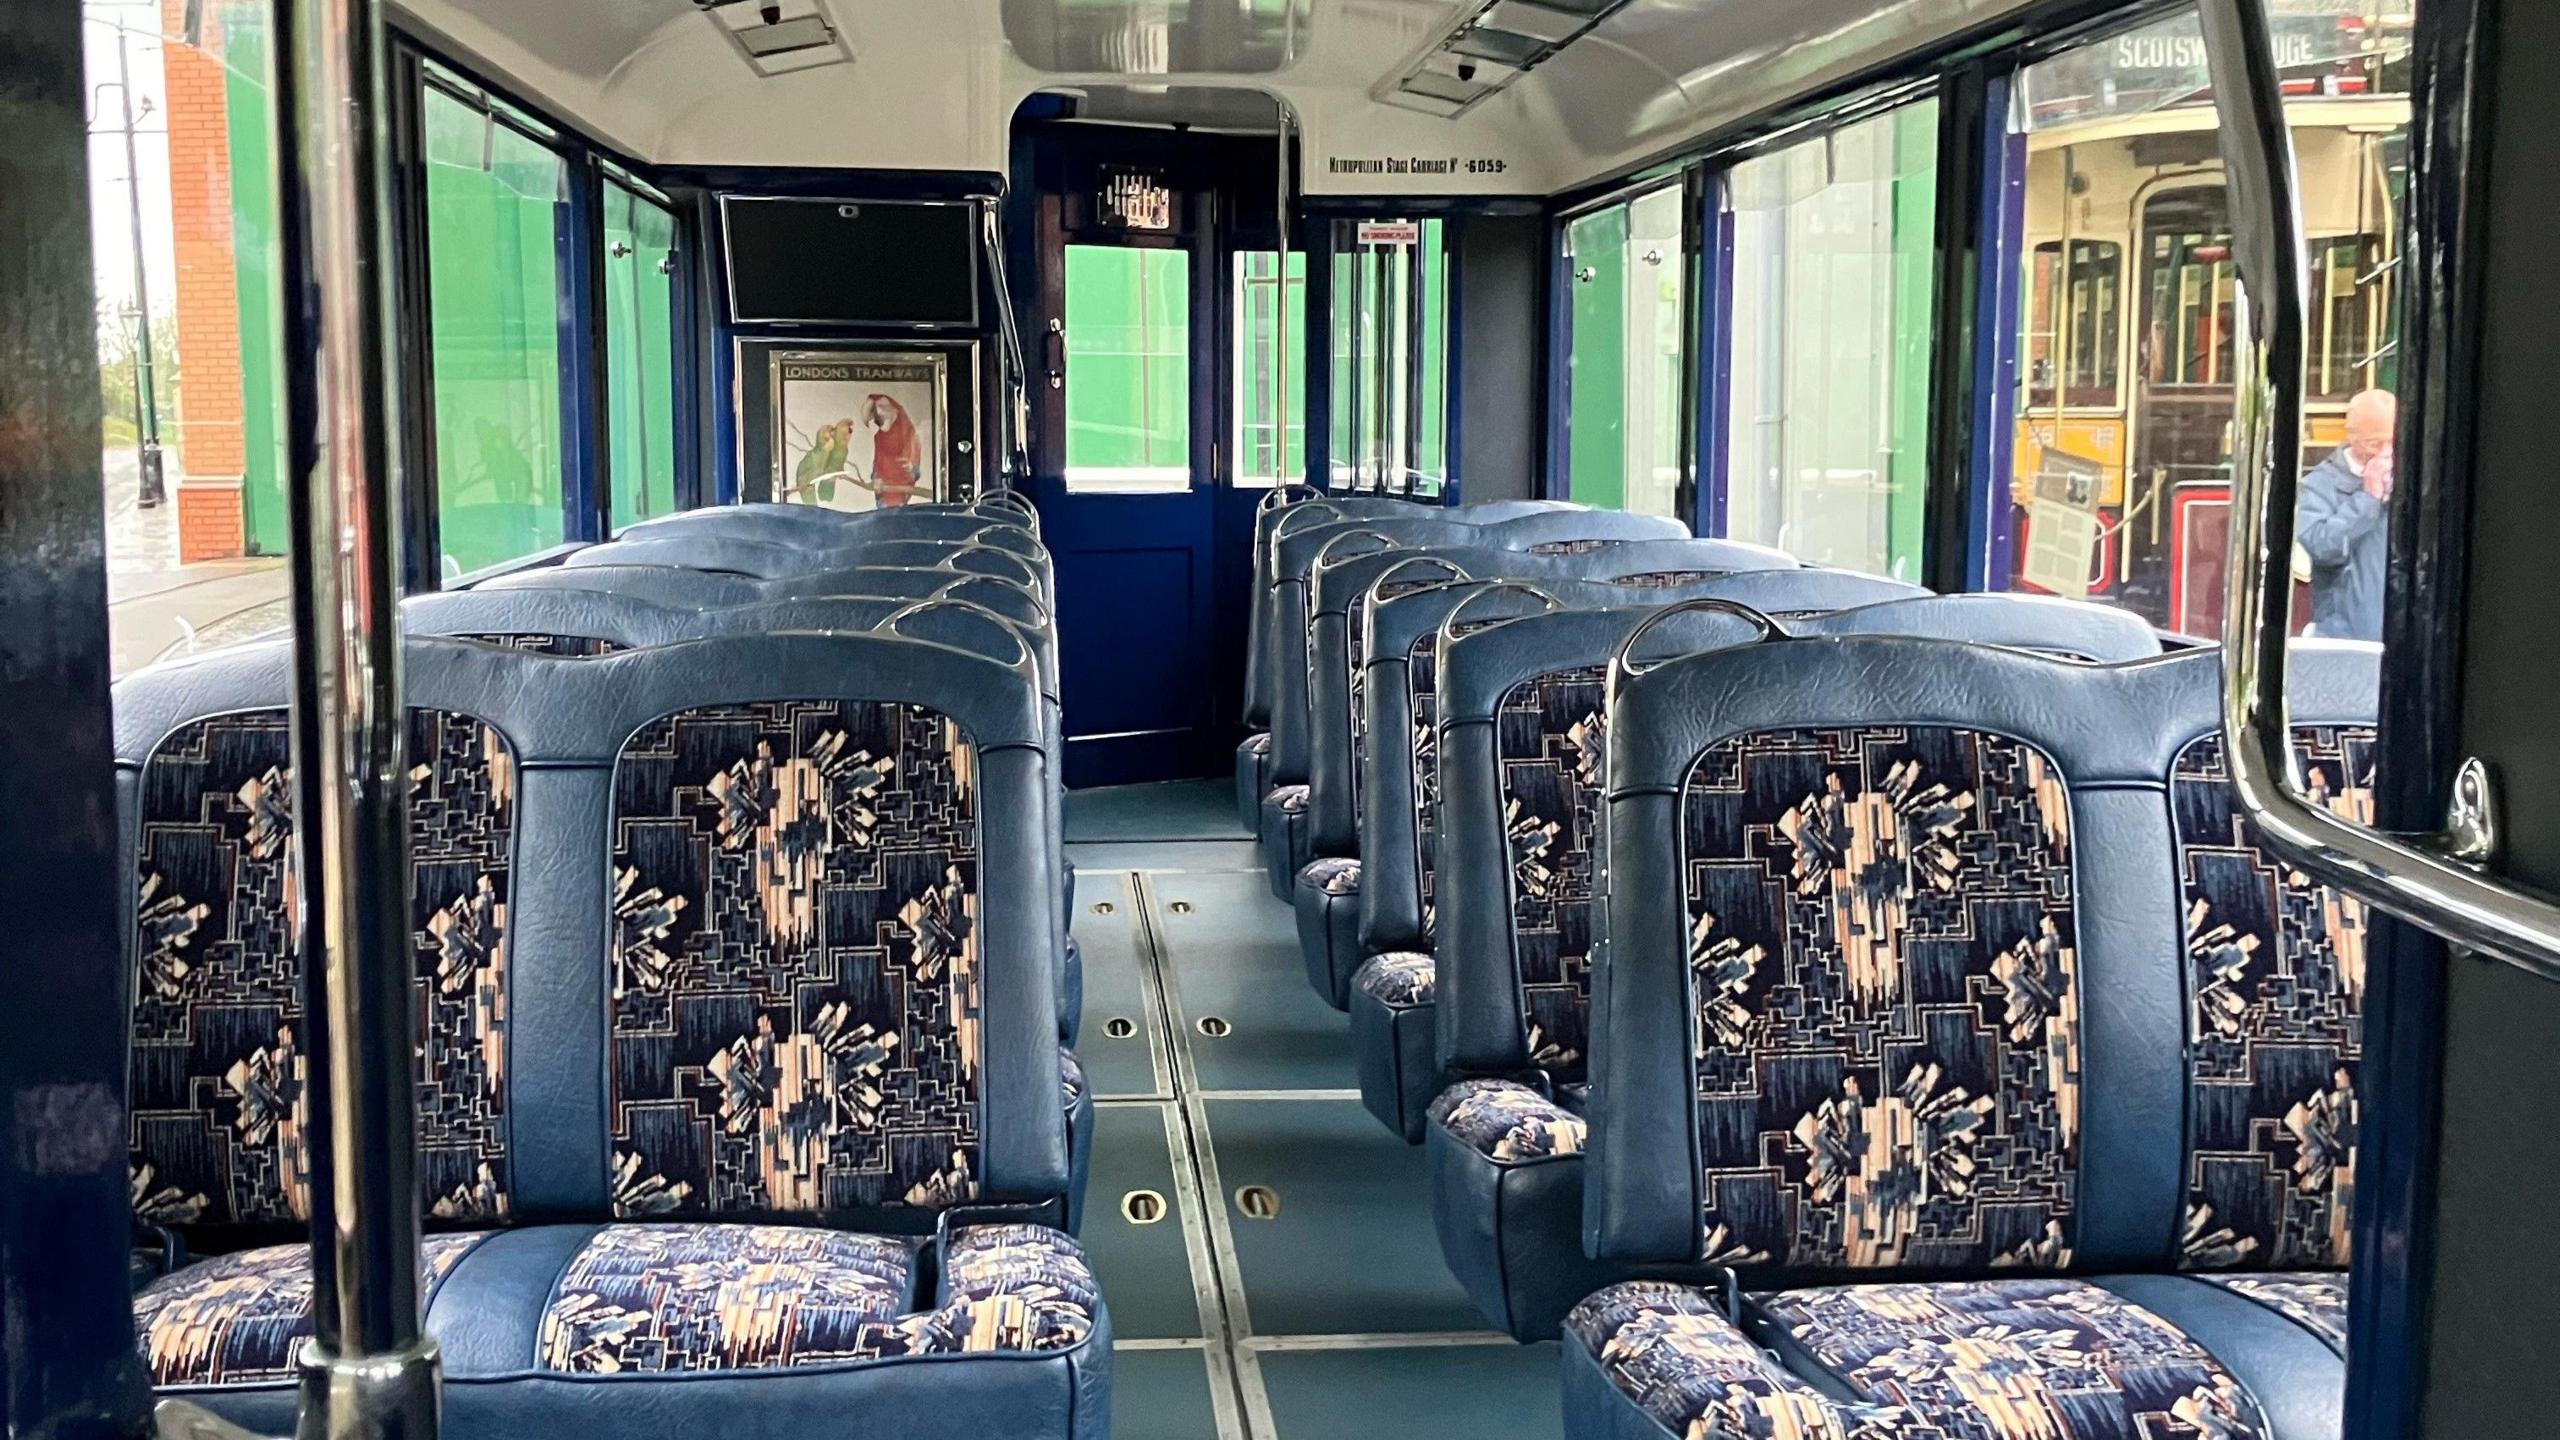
(1268, 451)
(1831, 296)
(639, 325)
(1391, 357)
(2119, 470)
(2075, 339)
(497, 232)
(1628, 373)
(1128, 338)
(189, 355)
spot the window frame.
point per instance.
(586, 481)
(1335, 418)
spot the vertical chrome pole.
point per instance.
(368, 1372)
(1280, 303)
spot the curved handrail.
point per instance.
(1281, 494)
(2437, 880)
(1457, 612)
(1622, 655)
(894, 624)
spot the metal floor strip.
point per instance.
(1201, 1223)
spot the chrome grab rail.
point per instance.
(1622, 665)
(1457, 613)
(2438, 880)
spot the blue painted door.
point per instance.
(1124, 463)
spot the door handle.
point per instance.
(2438, 880)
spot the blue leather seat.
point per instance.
(1282, 826)
(995, 550)
(584, 622)
(1326, 890)
(740, 1088)
(815, 526)
(1392, 1009)
(676, 587)
(1292, 507)
(1955, 963)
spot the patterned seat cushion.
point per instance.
(796, 986)
(2314, 1300)
(1672, 1353)
(1508, 1122)
(1398, 979)
(1333, 875)
(1292, 799)
(1980, 1360)
(689, 1298)
(1258, 743)
(1888, 1003)
(217, 1064)
(239, 1319)
(638, 1300)
(2000, 1358)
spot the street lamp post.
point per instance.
(146, 409)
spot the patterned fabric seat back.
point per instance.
(1400, 780)
(829, 980)
(1656, 564)
(218, 1074)
(746, 881)
(1343, 590)
(826, 577)
(1894, 937)
(1520, 764)
(2275, 986)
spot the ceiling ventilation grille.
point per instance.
(777, 38)
(1489, 44)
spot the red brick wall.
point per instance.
(209, 442)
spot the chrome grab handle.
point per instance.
(1622, 666)
(895, 624)
(2438, 880)
(1458, 612)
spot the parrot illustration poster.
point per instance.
(860, 430)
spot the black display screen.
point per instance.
(833, 262)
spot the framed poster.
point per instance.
(860, 429)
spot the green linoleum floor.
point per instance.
(1192, 932)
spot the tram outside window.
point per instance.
(497, 225)
(2119, 475)
(1128, 384)
(639, 321)
(1628, 361)
(1831, 288)
(1390, 357)
(1269, 449)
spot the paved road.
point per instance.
(158, 607)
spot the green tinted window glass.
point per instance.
(1431, 465)
(639, 319)
(1266, 454)
(1833, 282)
(1657, 351)
(1128, 334)
(495, 227)
(1596, 395)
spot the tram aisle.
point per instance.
(1267, 1247)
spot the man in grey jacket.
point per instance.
(2343, 522)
